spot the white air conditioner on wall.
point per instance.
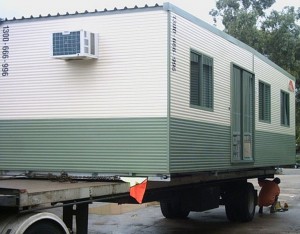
(75, 45)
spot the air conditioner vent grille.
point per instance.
(74, 45)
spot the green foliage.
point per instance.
(283, 39)
(241, 17)
(276, 35)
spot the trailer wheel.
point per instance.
(45, 227)
(240, 203)
(173, 209)
(33, 223)
(248, 202)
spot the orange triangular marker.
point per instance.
(138, 191)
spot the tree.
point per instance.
(241, 19)
(282, 35)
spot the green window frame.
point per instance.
(201, 78)
(285, 108)
(264, 102)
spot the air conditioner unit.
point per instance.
(75, 45)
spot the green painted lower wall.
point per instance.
(134, 145)
(85, 145)
(274, 149)
(196, 146)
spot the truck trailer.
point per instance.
(137, 94)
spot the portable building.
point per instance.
(138, 91)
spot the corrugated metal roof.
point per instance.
(86, 12)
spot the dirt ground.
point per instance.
(148, 219)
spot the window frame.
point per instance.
(201, 80)
(283, 104)
(264, 114)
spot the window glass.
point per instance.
(201, 78)
(285, 108)
(264, 102)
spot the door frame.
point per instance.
(242, 160)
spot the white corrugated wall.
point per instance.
(190, 36)
(128, 80)
(277, 82)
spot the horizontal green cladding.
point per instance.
(198, 146)
(274, 149)
(131, 145)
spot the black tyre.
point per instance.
(173, 209)
(240, 202)
(45, 227)
(247, 203)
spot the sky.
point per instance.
(26, 8)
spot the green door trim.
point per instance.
(239, 141)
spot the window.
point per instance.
(264, 102)
(201, 93)
(285, 108)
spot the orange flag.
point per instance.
(138, 187)
(138, 191)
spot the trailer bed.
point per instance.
(26, 193)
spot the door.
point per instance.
(242, 115)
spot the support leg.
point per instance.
(82, 214)
(68, 216)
